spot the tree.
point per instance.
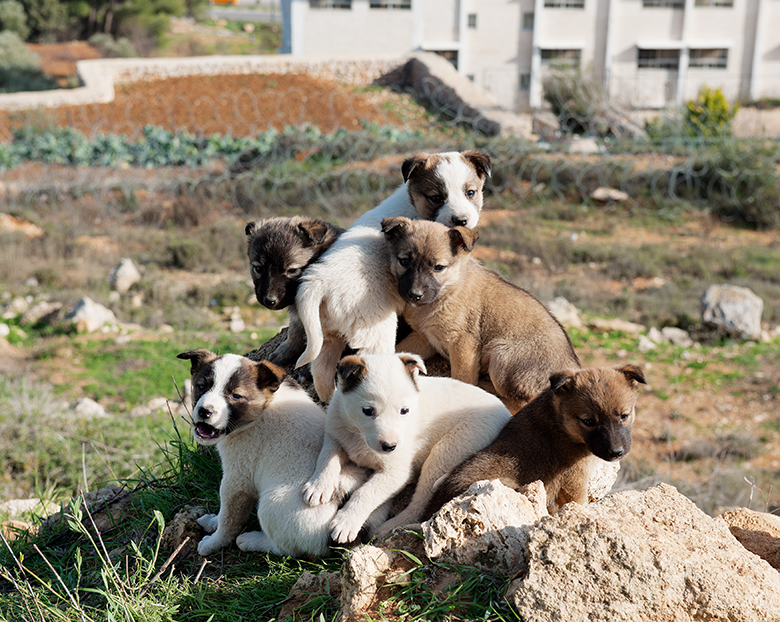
(13, 18)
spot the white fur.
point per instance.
(447, 422)
(265, 465)
(349, 297)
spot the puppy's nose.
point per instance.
(388, 447)
(415, 295)
(270, 301)
(205, 413)
(616, 453)
(459, 221)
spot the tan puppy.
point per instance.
(268, 433)
(583, 414)
(387, 418)
(483, 324)
(280, 249)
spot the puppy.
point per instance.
(387, 418)
(280, 249)
(348, 297)
(583, 414)
(268, 433)
(470, 315)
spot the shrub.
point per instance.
(13, 18)
(578, 101)
(20, 69)
(709, 115)
(113, 48)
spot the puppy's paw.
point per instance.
(208, 522)
(209, 544)
(345, 527)
(320, 490)
(255, 541)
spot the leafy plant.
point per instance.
(20, 69)
(709, 115)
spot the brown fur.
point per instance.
(584, 413)
(280, 249)
(482, 323)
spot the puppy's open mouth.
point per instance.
(206, 431)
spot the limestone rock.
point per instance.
(608, 195)
(14, 307)
(87, 408)
(642, 556)
(182, 526)
(584, 146)
(308, 587)
(5, 330)
(676, 336)
(361, 577)
(605, 325)
(565, 312)
(44, 312)
(124, 275)
(14, 224)
(89, 315)
(758, 532)
(486, 527)
(734, 309)
(603, 475)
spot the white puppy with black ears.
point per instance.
(386, 417)
(268, 433)
(348, 297)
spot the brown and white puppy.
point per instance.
(268, 433)
(280, 249)
(584, 414)
(470, 315)
(348, 297)
(387, 418)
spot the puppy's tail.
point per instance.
(309, 300)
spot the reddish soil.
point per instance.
(58, 60)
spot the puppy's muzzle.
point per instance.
(459, 221)
(202, 429)
(388, 447)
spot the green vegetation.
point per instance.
(709, 115)
(19, 71)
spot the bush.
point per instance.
(578, 102)
(13, 18)
(20, 69)
(113, 48)
(709, 115)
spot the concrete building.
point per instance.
(645, 53)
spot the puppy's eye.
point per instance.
(439, 268)
(368, 411)
(256, 268)
(436, 198)
(293, 272)
(236, 396)
(470, 193)
(404, 261)
(404, 411)
(624, 417)
(588, 422)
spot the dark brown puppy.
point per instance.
(482, 323)
(280, 249)
(584, 413)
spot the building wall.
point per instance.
(505, 59)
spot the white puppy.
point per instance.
(349, 297)
(268, 433)
(385, 417)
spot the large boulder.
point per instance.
(758, 532)
(737, 310)
(642, 556)
(89, 316)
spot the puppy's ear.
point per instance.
(395, 227)
(562, 381)
(269, 376)
(413, 363)
(480, 161)
(198, 358)
(462, 239)
(253, 226)
(412, 163)
(313, 232)
(633, 374)
(351, 371)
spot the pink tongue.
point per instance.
(205, 430)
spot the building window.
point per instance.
(564, 4)
(528, 21)
(525, 81)
(450, 55)
(663, 4)
(472, 20)
(561, 59)
(393, 4)
(658, 59)
(330, 4)
(717, 3)
(709, 59)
